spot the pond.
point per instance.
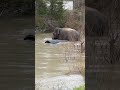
(56, 63)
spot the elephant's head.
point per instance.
(56, 33)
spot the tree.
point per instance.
(41, 7)
(51, 13)
(56, 9)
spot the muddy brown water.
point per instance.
(16, 55)
(55, 60)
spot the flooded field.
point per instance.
(55, 63)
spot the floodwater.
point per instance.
(16, 55)
(54, 63)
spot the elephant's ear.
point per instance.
(58, 31)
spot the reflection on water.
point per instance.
(53, 60)
(16, 55)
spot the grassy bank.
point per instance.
(80, 88)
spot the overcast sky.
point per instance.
(68, 5)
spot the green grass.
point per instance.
(80, 88)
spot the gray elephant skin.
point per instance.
(96, 24)
(66, 34)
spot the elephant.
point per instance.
(66, 34)
(96, 24)
(30, 37)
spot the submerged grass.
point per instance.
(74, 57)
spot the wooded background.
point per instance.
(16, 7)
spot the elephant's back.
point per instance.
(71, 34)
(69, 30)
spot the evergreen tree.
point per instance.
(56, 10)
(51, 10)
